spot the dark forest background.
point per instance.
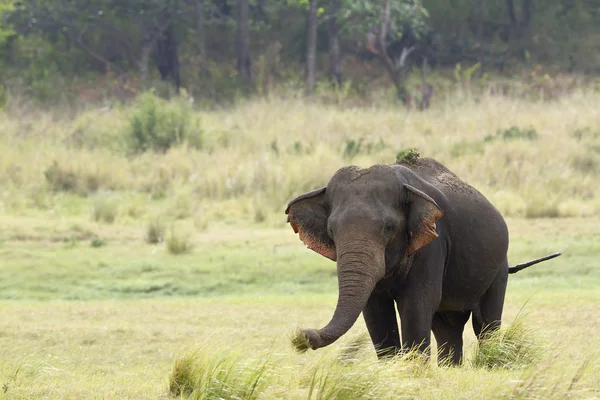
(56, 51)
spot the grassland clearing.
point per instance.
(81, 322)
(93, 304)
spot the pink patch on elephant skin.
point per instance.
(315, 244)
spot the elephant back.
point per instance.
(439, 176)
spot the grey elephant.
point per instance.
(411, 234)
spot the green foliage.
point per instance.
(403, 14)
(408, 155)
(97, 242)
(518, 346)
(202, 372)
(354, 147)
(515, 133)
(156, 124)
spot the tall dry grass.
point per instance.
(256, 156)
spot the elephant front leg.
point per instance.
(380, 317)
(416, 327)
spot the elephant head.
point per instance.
(366, 220)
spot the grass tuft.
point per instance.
(407, 156)
(105, 210)
(178, 242)
(299, 341)
(351, 350)
(205, 372)
(517, 346)
(155, 233)
(330, 379)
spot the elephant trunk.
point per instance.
(358, 272)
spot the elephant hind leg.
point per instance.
(489, 315)
(448, 330)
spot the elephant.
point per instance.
(411, 235)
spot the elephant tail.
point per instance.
(518, 267)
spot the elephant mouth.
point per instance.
(402, 269)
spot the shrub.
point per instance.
(157, 124)
(60, 179)
(155, 232)
(178, 243)
(97, 242)
(105, 210)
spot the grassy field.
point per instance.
(116, 267)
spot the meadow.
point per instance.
(125, 269)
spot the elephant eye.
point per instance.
(389, 228)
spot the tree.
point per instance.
(311, 47)
(383, 22)
(244, 63)
(335, 62)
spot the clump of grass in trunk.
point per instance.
(515, 347)
(299, 341)
(178, 242)
(203, 372)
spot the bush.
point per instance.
(513, 133)
(156, 232)
(105, 210)
(97, 242)
(157, 124)
(60, 179)
(178, 242)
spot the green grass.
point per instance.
(517, 346)
(205, 372)
(114, 321)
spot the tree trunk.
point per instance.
(144, 60)
(200, 33)
(512, 17)
(480, 22)
(334, 43)
(526, 9)
(396, 72)
(311, 48)
(244, 63)
(167, 59)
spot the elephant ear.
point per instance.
(422, 216)
(307, 214)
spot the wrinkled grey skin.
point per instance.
(414, 236)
